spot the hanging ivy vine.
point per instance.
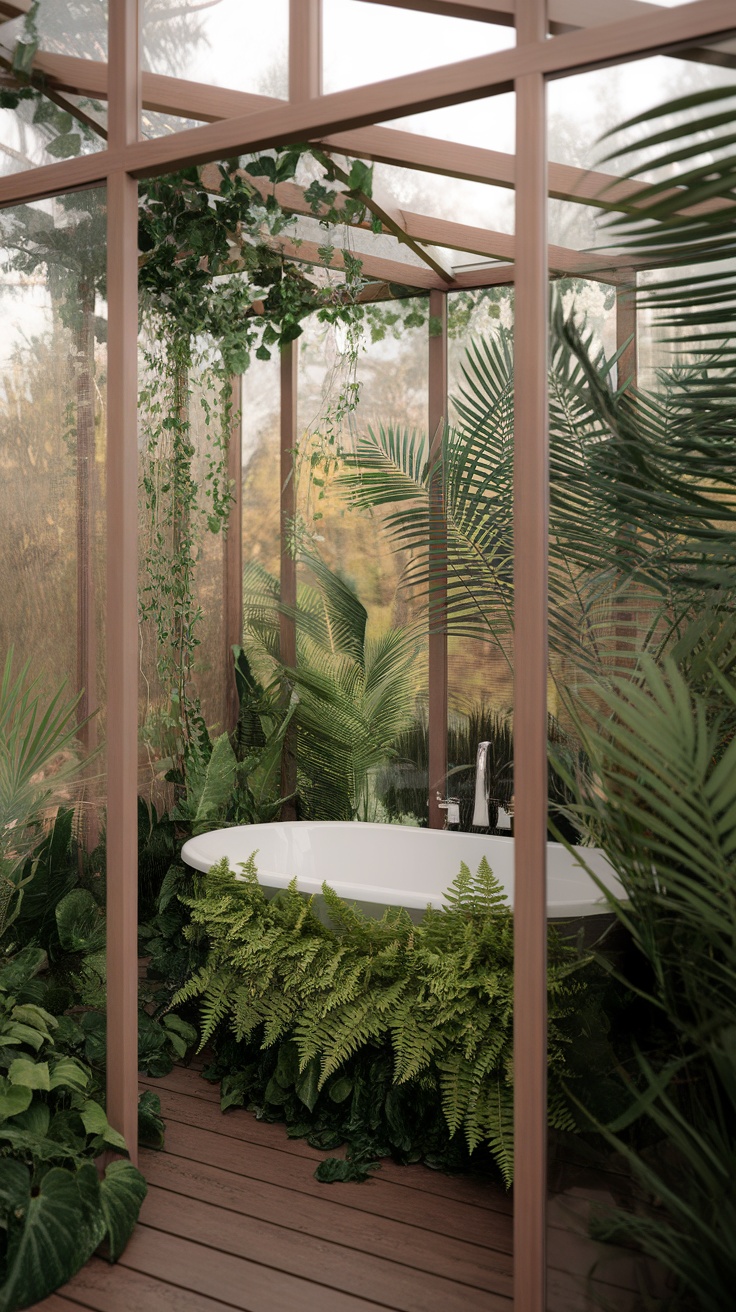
(216, 291)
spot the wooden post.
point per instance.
(531, 520)
(624, 614)
(626, 327)
(289, 430)
(232, 558)
(305, 49)
(437, 712)
(86, 479)
(122, 583)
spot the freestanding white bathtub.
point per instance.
(395, 865)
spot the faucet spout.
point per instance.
(481, 818)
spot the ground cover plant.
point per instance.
(55, 1208)
(394, 1037)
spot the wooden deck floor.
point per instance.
(235, 1219)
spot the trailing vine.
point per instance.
(218, 289)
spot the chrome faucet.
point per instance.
(481, 819)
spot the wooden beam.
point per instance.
(305, 49)
(502, 246)
(531, 532)
(564, 16)
(122, 582)
(381, 144)
(10, 9)
(287, 623)
(433, 88)
(437, 709)
(373, 266)
(232, 559)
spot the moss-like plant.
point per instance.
(429, 1004)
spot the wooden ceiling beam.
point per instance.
(564, 16)
(385, 145)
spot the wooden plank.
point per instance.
(234, 1280)
(181, 1080)
(378, 1197)
(105, 1288)
(311, 1257)
(204, 1113)
(453, 1259)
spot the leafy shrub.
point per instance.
(407, 1027)
(54, 1208)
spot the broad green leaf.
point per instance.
(94, 1120)
(14, 1098)
(30, 1074)
(56, 1232)
(69, 1073)
(35, 1119)
(307, 1086)
(122, 1191)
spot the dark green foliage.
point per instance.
(396, 1035)
(351, 694)
(54, 1209)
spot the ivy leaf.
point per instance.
(263, 167)
(70, 143)
(24, 55)
(361, 177)
(121, 1196)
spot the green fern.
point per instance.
(432, 1003)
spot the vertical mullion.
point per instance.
(122, 583)
(437, 710)
(287, 622)
(626, 327)
(305, 49)
(531, 519)
(232, 557)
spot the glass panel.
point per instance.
(66, 27)
(240, 44)
(368, 43)
(480, 664)
(455, 199)
(35, 130)
(52, 445)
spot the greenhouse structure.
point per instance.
(367, 427)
